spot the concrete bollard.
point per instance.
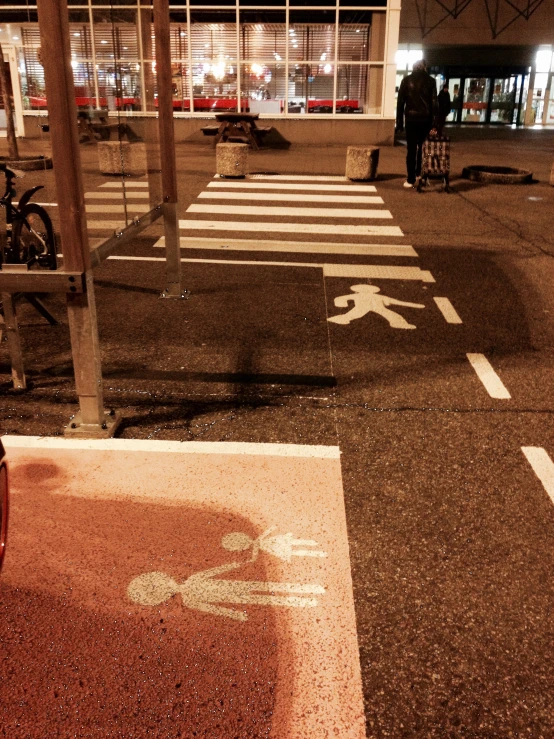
(231, 160)
(552, 175)
(122, 157)
(362, 162)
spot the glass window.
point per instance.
(214, 66)
(362, 36)
(311, 2)
(264, 86)
(262, 35)
(31, 74)
(180, 80)
(310, 89)
(213, 35)
(276, 3)
(115, 34)
(359, 89)
(178, 36)
(80, 39)
(119, 85)
(311, 36)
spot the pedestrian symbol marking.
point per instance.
(365, 299)
(204, 591)
(282, 546)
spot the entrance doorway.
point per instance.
(484, 100)
(14, 90)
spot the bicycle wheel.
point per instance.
(33, 237)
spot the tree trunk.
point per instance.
(8, 108)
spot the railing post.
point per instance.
(173, 287)
(92, 421)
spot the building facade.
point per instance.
(295, 61)
(326, 71)
(496, 56)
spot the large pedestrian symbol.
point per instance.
(206, 591)
(366, 299)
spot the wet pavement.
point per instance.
(433, 401)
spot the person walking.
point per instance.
(417, 107)
(444, 106)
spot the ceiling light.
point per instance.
(76, 34)
(103, 42)
(327, 69)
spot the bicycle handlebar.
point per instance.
(11, 173)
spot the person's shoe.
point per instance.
(408, 184)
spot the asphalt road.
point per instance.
(450, 522)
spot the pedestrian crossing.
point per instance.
(328, 211)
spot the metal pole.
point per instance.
(173, 287)
(92, 421)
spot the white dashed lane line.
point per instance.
(491, 381)
(543, 467)
(447, 310)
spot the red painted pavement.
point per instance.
(80, 658)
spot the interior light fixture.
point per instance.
(77, 34)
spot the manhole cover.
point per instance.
(500, 175)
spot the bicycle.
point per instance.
(29, 232)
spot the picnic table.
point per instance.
(240, 127)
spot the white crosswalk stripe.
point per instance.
(119, 208)
(263, 210)
(117, 195)
(307, 247)
(298, 177)
(291, 197)
(228, 184)
(307, 228)
(124, 183)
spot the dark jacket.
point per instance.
(417, 99)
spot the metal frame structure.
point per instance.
(516, 8)
(76, 279)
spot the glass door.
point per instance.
(503, 100)
(455, 90)
(476, 100)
